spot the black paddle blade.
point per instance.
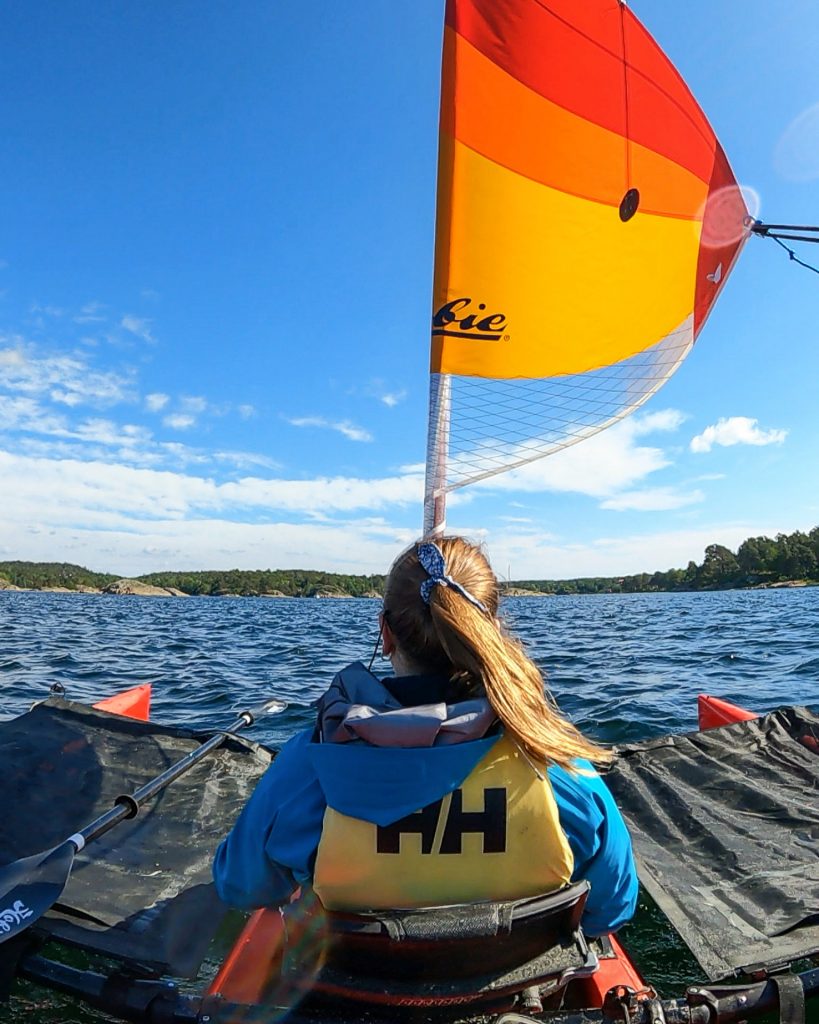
(31, 886)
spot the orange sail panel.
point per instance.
(586, 211)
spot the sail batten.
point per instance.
(587, 220)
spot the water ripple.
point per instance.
(624, 666)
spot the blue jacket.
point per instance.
(272, 847)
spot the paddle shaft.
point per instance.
(128, 805)
(31, 886)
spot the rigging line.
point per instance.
(793, 255)
(791, 238)
(627, 126)
(761, 228)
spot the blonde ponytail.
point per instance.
(452, 634)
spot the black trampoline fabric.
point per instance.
(143, 891)
(725, 826)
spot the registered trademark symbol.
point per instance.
(506, 337)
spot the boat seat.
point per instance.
(474, 953)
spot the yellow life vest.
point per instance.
(496, 837)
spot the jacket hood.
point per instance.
(379, 761)
(358, 708)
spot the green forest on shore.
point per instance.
(758, 562)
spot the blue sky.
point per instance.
(215, 279)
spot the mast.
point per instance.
(440, 401)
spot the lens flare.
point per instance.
(727, 215)
(796, 155)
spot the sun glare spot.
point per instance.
(727, 214)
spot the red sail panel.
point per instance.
(596, 60)
(724, 232)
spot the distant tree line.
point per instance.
(247, 582)
(34, 575)
(758, 561)
(253, 582)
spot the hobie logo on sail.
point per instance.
(458, 319)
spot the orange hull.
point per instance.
(713, 712)
(133, 703)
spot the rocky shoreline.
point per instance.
(136, 588)
(124, 586)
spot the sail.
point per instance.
(587, 220)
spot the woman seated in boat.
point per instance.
(456, 780)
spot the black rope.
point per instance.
(773, 231)
(793, 255)
(791, 238)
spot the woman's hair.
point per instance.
(453, 636)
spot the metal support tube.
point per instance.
(440, 404)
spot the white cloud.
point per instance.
(47, 310)
(602, 466)
(732, 430)
(107, 432)
(193, 404)
(247, 411)
(358, 546)
(380, 390)
(344, 427)
(246, 460)
(179, 421)
(66, 379)
(663, 420)
(11, 358)
(103, 440)
(183, 454)
(26, 415)
(156, 401)
(91, 313)
(138, 326)
(657, 499)
(70, 398)
(29, 416)
(538, 556)
(134, 519)
(70, 491)
(392, 398)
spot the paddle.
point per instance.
(31, 886)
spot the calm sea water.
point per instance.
(624, 667)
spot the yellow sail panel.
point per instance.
(553, 284)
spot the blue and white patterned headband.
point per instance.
(432, 561)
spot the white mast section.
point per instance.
(440, 402)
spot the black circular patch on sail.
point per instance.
(629, 204)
